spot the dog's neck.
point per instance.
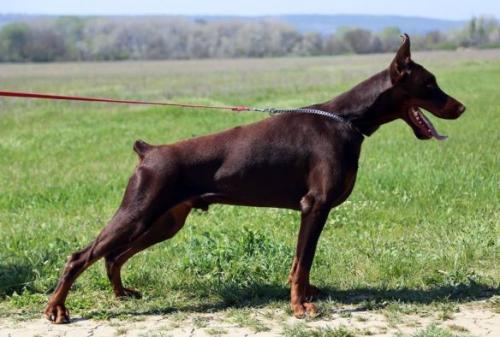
(368, 105)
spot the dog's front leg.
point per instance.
(311, 291)
(315, 210)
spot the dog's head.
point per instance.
(419, 89)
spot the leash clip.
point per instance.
(240, 108)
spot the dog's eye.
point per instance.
(429, 85)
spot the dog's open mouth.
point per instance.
(423, 127)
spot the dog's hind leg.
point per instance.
(148, 195)
(114, 235)
(77, 263)
(162, 229)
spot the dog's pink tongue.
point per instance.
(436, 135)
(432, 129)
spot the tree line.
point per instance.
(93, 39)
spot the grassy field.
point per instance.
(422, 226)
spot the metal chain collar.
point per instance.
(331, 115)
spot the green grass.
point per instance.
(435, 331)
(421, 226)
(301, 330)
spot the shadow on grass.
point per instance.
(458, 293)
(14, 278)
(366, 298)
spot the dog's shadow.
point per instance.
(362, 299)
(15, 278)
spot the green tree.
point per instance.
(14, 38)
(390, 38)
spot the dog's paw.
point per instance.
(301, 309)
(126, 293)
(57, 313)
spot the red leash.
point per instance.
(122, 101)
(272, 111)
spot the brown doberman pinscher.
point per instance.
(301, 161)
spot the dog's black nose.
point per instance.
(461, 109)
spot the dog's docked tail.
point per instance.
(141, 148)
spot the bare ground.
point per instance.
(476, 319)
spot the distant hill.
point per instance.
(326, 24)
(323, 24)
(10, 18)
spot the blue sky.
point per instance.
(447, 9)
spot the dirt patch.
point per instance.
(477, 319)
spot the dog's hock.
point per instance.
(141, 148)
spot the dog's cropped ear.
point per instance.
(400, 65)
